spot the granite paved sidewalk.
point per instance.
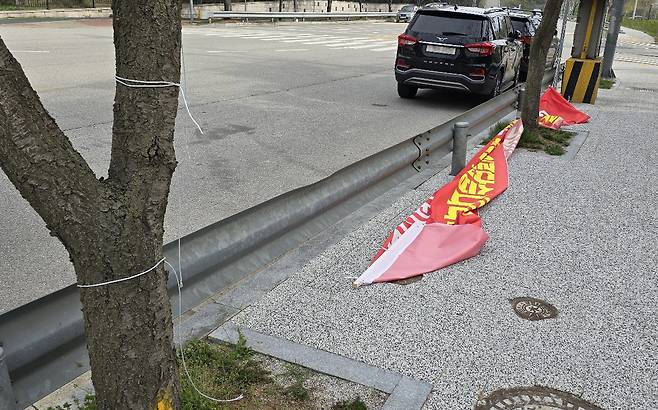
(579, 233)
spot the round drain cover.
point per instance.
(533, 398)
(533, 309)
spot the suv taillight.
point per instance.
(405, 40)
(483, 49)
(526, 39)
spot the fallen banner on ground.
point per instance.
(555, 111)
(446, 228)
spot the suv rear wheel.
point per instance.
(497, 86)
(407, 91)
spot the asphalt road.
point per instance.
(281, 107)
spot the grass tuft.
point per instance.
(543, 139)
(354, 404)
(606, 83)
(493, 131)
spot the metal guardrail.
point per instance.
(291, 15)
(44, 340)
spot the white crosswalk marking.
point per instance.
(389, 48)
(353, 43)
(334, 38)
(314, 38)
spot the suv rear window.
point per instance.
(407, 8)
(524, 26)
(449, 25)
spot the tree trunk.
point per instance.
(227, 5)
(112, 228)
(294, 5)
(538, 51)
(280, 6)
(328, 6)
(390, 6)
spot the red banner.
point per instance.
(420, 243)
(555, 111)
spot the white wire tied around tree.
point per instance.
(157, 84)
(178, 274)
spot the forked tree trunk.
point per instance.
(112, 228)
(538, 51)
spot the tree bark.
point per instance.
(112, 228)
(328, 6)
(294, 5)
(538, 51)
(390, 6)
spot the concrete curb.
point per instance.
(99, 12)
(404, 393)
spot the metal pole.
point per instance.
(459, 139)
(191, 11)
(7, 400)
(611, 40)
(563, 33)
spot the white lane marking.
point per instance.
(322, 37)
(279, 38)
(31, 51)
(385, 48)
(226, 51)
(373, 43)
(326, 43)
(383, 43)
(284, 50)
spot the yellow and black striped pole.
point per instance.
(582, 72)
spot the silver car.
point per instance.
(406, 13)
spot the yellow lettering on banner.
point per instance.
(473, 186)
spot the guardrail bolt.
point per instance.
(7, 400)
(459, 139)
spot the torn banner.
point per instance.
(555, 111)
(446, 228)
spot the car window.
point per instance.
(498, 29)
(507, 26)
(523, 25)
(407, 8)
(455, 25)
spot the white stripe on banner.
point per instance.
(388, 258)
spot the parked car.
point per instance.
(461, 48)
(525, 25)
(406, 13)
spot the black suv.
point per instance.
(462, 48)
(525, 24)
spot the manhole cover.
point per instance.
(533, 309)
(533, 398)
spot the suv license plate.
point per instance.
(441, 49)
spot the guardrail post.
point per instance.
(459, 139)
(7, 400)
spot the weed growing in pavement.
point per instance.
(550, 141)
(606, 83)
(220, 371)
(354, 404)
(296, 390)
(89, 403)
(498, 127)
